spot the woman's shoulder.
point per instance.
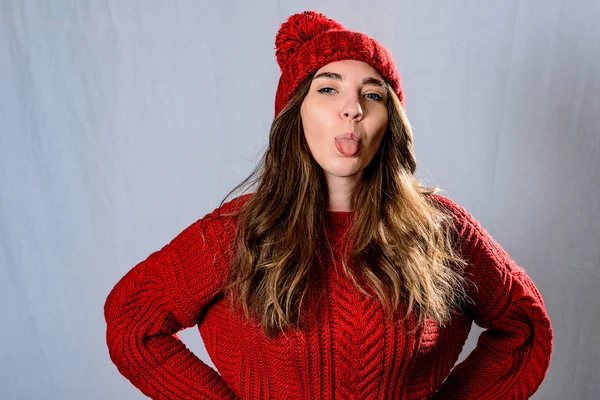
(459, 213)
(229, 208)
(214, 232)
(470, 230)
(236, 203)
(447, 203)
(225, 216)
(219, 221)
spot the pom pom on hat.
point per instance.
(300, 28)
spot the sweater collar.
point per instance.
(340, 218)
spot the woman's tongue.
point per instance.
(347, 147)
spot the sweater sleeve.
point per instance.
(158, 297)
(513, 352)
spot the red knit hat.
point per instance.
(309, 40)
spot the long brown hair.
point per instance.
(400, 240)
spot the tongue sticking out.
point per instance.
(347, 147)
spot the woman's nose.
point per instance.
(353, 110)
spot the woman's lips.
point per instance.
(349, 135)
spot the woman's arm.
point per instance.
(157, 298)
(513, 353)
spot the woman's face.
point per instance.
(346, 98)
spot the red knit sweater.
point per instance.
(348, 351)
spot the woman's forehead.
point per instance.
(349, 67)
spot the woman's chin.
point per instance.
(344, 171)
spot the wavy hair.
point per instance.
(400, 240)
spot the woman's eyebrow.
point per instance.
(371, 80)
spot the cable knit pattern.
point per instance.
(347, 350)
(513, 353)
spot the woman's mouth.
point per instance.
(347, 147)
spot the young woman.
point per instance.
(340, 276)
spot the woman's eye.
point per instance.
(327, 90)
(323, 90)
(377, 97)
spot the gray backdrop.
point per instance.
(123, 122)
